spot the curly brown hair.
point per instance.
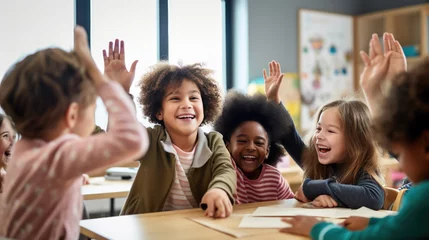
(37, 91)
(404, 112)
(163, 75)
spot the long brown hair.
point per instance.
(361, 148)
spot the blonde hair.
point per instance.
(37, 91)
(361, 149)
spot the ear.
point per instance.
(72, 115)
(228, 146)
(159, 116)
(268, 152)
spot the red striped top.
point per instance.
(269, 186)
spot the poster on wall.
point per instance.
(325, 61)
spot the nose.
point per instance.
(251, 147)
(319, 135)
(186, 104)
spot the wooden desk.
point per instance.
(99, 188)
(175, 225)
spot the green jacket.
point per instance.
(211, 168)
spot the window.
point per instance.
(133, 21)
(196, 34)
(28, 26)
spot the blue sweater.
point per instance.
(366, 192)
(411, 222)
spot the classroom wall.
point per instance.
(379, 5)
(270, 32)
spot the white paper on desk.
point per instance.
(249, 221)
(319, 212)
(289, 212)
(366, 212)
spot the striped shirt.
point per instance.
(269, 186)
(180, 196)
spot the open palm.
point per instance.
(398, 62)
(272, 81)
(114, 65)
(380, 66)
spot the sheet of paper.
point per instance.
(249, 221)
(289, 212)
(276, 211)
(222, 225)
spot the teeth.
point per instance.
(186, 116)
(252, 157)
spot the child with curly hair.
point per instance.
(251, 128)
(184, 167)
(401, 121)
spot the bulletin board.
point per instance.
(325, 52)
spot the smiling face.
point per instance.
(182, 109)
(8, 136)
(329, 137)
(248, 146)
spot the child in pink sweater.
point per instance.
(51, 96)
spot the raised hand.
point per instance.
(398, 62)
(82, 50)
(114, 65)
(273, 81)
(380, 66)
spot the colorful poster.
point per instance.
(326, 60)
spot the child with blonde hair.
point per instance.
(184, 167)
(401, 121)
(51, 96)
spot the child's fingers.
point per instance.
(271, 68)
(220, 208)
(116, 50)
(105, 58)
(228, 207)
(279, 68)
(386, 42)
(122, 51)
(210, 207)
(365, 58)
(110, 51)
(264, 73)
(133, 66)
(331, 202)
(398, 48)
(377, 45)
(371, 48)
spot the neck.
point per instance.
(186, 143)
(255, 174)
(54, 133)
